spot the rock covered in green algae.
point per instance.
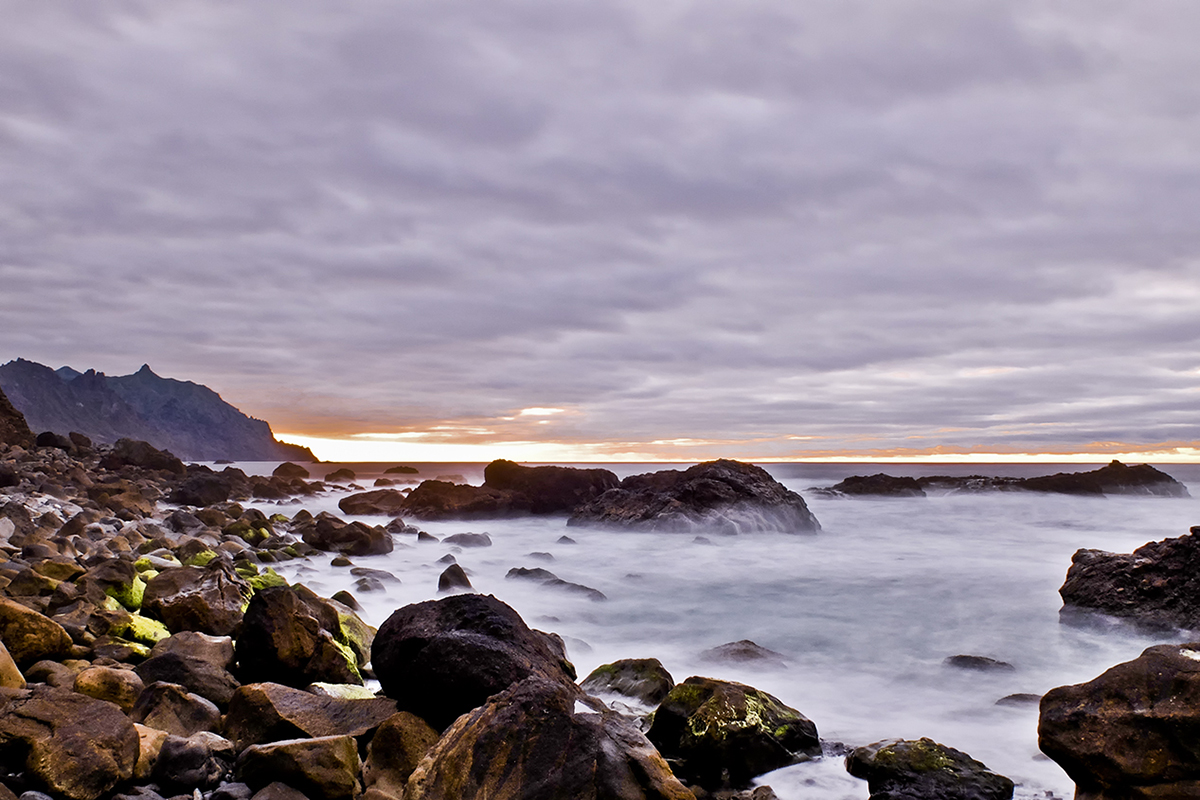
(922, 769)
(643, 679)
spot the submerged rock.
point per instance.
(924, 770)
(723, 496)
(743, 652)
(547, 578)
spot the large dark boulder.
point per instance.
(1156, 585)
(198, 675)
(327, 532)
(723, 496)
(206, 599)
(547, 490)
(203, 487)
(723, 733)
(269, 712)
(289, 470)
(132, 453)
(554, 742)
(1115, 478)
(382, 502)
(878, 485)
(77, 747)
(441, 658)
(434, 500)
(13, 428)
(922, 769)
(1131, 732)
(291, 636)
(172, 708)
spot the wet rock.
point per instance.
(1156, 585)
(205, 599)
(394, 752)
(321, 769)
(879, 485)
(30, 636)
(150, 742)
(1115, 478)
(386, 502)
(265, 712)
(442, 658)
(216, 650)
(569, 746)
(342, 475)
(327, 532)
(78, 747)
(119, 686)
(643, 679)
(10, 675)
(468, 540)
(978, 664)
(1130, 731)
(291, 636)
(1020, 699)
(549, 489)
(438, 499)
(925, 770)
(132, 453)
(724, 733)
(197, 674)
(544, 577)
(722, 496)
(453, 577)
(172, 708)
(743, 652)
(289, 470)
(199, 761)
(207, 489)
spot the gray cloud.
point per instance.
(971, 224)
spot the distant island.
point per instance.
(190, 420)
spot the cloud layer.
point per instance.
(769, 228)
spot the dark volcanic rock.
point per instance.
(435, 500)
(327, 532)
(547, 490)
(724, 496)
(198, 675)
(291, 636)
(13, 428)
(453, 577)
(925, 770)
(1115, 478)
(134, 453)
(545, 577)
(442, 658)
(205, 599)
(170, 707)
(268, 712)
(395, 750)
(726, 733)
(321, 769)
(743, 652)
(978, 664)
(643, 679)
(880, 485)
(555, 743)
(1157, 585)
(289, 470)
(341, 475)
(385, 502)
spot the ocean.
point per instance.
(863, 612)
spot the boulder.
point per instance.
(342, 475)
(453, 577)
(397, 747)
(327, 532)
(384, 502)
(133, 453)
(878, 485)
(724, 733)
(205, 599)
(553, 742)
(468, 540)
(29, 636)
(643, 679)
(544, 577)
(743, 652)
(722, 496)
(150, 742)
(78, 747)
(216, 650)
(199, 761)
(442, 658)
(436, 499)
(266, 712)
(172, 708)
(924, 770)
(14, 430)
(289, 470)
(1131, 731)
(291, 636)
(196, 674)
(321, 769)
(121, 687)
(547, 490)
(1157, 585)
(1115, 478)
(10, 675)
(978, 664)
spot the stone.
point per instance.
(327, 532)
(452, 578)
(554, 742)
(342, 475)
(170, 707)
(1158, 585)
(442, 658)
(720, 496)
(291, 636)
(1114, 478)
(878, 485)
(978, 664)
(234, 790)
(78, 747)
(922, 769)
(199, 761)
(196, 674)
(645, 680)
(385, 502)
(30, 636)
(544, 577)
(10, 675)
(1130, 731)
(119, 686)
(743, 652)
(468, 540)
(265, 712)
(150, 742)
(205, 599)
(548, 489)
(14, 430)
(278, 791)
(216, 650)
(435, 500)
(325, 768)
(289, 470)
(133, 453)
(724, 733)
(398, 745)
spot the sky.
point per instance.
(620, 230)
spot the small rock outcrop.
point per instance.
(434, 500)
(381, 502)
(645, 680)
(878, 485)
(269, 712)
(922, 769)
(327, 532)
(722, 496)
(1131, 731)
(1156, 585)
(743, 652)
(547, 490)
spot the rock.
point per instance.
(743, 652)
(14, 430)
(436, 499)
(1115, 478)
(278, 791)
(401, 469)
(55, 440)
(196, 674)
(343, 475)
(1129, 732)
(132, 453)
(10, 675)
(199, 761)
(78, 747)
(397, 747)
(321, 769)
(546, 578)
(547, 490)
(30, 636)
(726, 733)
(1020, 699)
(172, 708)
(723, 496)
(978, 664)
(150, 742)
(1157, 585)
(291, 636)
(327, 532)
(924, 770)
(643, 679)
(879, 485)
(205, 599)
(442, 658)
(119, 686)
(265, 712)
(468, 540)
(387, 502)
(568, 746)
(453, 577)
(204, 489)
(289, 470)
(234, 790)
(216, 650)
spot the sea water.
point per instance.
(864, 612)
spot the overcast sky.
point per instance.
(678, 229)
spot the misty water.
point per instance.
(864, 612)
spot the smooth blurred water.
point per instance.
(865, 611)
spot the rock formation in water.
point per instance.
(923, 769)
(186, 418)
(720, 496)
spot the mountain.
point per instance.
(190, 420)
